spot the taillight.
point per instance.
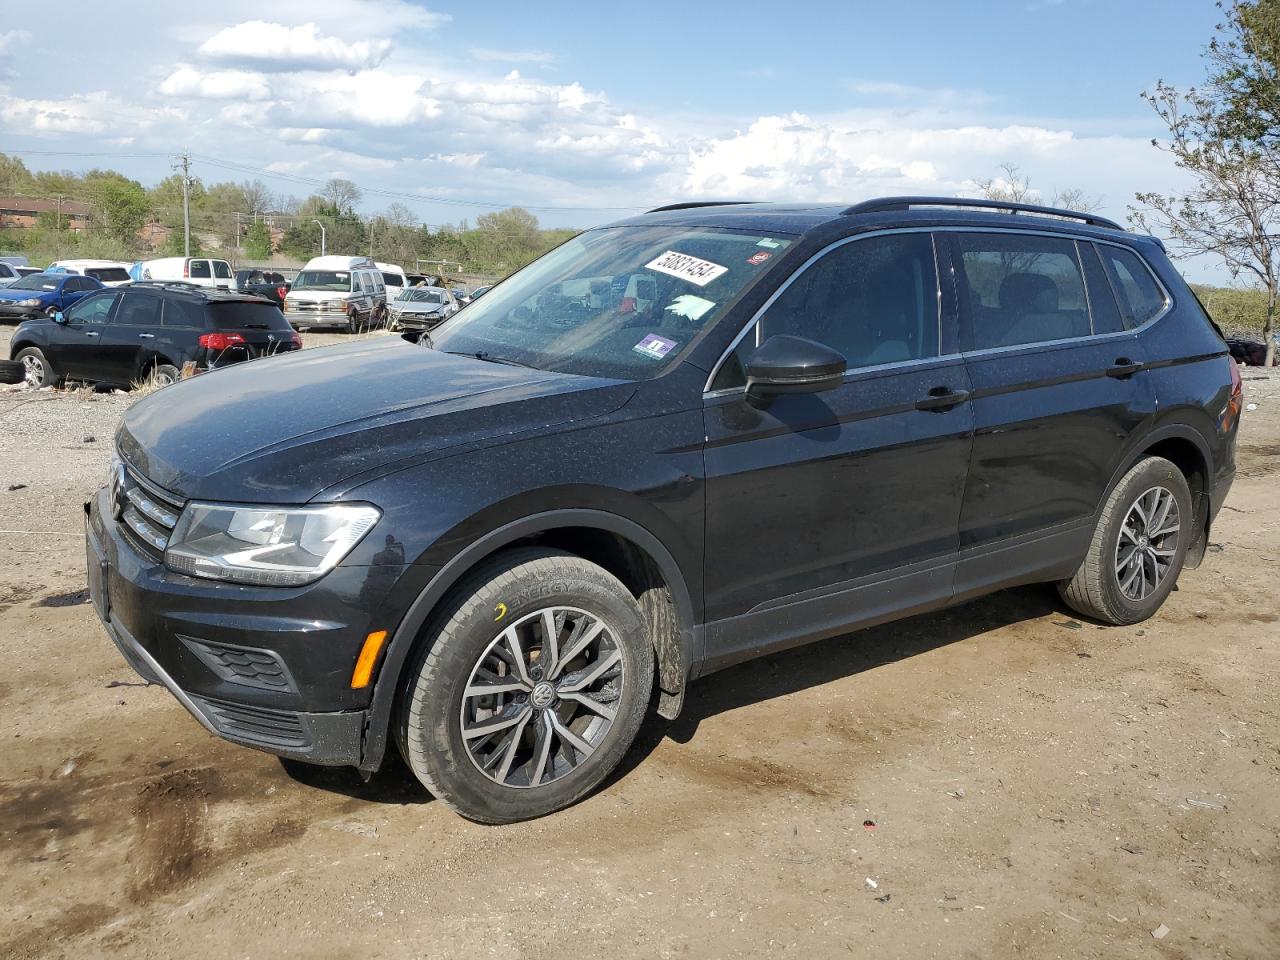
(282, 292)
(1235, 403)
(220, 341)
(296, 338)
(186, 269)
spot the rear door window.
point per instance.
(199, 270)
(1137, 292)
(1020, 288)
(222, 269)
(138, 309)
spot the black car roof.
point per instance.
(197, 292)
(798, 219)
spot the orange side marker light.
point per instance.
(363, 672)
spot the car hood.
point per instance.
(8, 293)
(417, 306)
(287, 428)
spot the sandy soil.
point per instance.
(999, 780)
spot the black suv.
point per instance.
(673, 443)
(148, 331)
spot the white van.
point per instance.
(112, 273)
(337, 292)
(394, 278)
(202, 271)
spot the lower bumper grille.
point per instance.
(247, 666)
(278, 729)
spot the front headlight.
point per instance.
(266, 546)
(30, 302)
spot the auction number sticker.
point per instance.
(696, 271)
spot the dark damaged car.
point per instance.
(671, 444)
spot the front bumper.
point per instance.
(11, 311)
(268, 668)
(417, 321)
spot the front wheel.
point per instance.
(1138, 547)
(528, 688)
(37, 370)
(164, 374)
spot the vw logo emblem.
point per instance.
(544, 694)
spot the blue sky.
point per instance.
(582, 111)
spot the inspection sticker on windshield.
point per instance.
(700, 272)
(655, 346)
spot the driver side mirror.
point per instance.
(787, 364)
(59, 317)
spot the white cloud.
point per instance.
(10, 41)
(486, 55)
(189, 82)
(96, 112)
(274, 46)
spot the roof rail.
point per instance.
(885, 204)
(175, 284)
(691, 204)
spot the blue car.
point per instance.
(44, 294)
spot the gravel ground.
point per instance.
(999, 780)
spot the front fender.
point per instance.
(388, 684)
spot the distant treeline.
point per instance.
(1235, 310)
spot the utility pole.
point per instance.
(185, 162)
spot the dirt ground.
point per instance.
(998, 780)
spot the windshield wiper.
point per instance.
(489, 358)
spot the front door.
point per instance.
(129, 341)
(1057, 391)
(834, 509)
(76, 346)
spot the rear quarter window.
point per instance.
(247, 316)
(199, 269)
(1139, 296)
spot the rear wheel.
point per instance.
(1138, 547)
(531, 686)
(163, 374)
(37, 371)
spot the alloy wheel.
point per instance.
(1147, 544)
(541, 698)
(33, 370)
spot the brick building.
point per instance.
(25, 211)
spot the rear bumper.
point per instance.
(263, 667)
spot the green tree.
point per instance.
(257, 241)
(1224, 135)
(122, 204)
(15, 178)
(344, 232)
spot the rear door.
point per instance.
(1058, 388)
(222, 275)
(199, 272)
(130, 341)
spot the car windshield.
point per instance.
(37, 281)
(108, 274)
(422, 295)
(336, 280)
(622, 302)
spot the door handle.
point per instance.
(92, 333)
(942, 398)
(146, 336)
(1124, 367)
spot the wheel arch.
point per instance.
(1183, 446)
(620, 545)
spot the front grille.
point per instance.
(248, 666)
(147, 514)
(268, 728)
(313, 306)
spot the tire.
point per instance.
(12, 371)
(1112, 586)
(164, 374)
(526, 779)
(354, 324)
(38, 372)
